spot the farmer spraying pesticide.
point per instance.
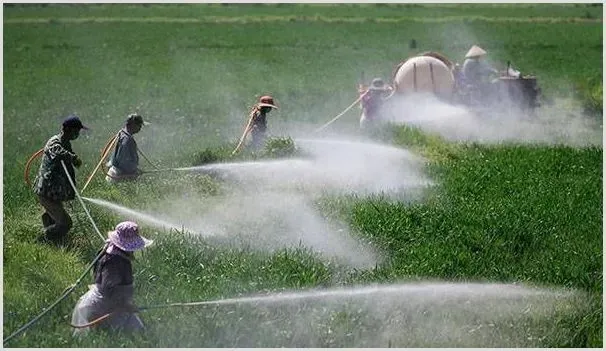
(371, 102)
(109, 302)
(477, 73)
(124, 163)
(257, 123)
(52, 184)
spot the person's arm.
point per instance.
(55, 150)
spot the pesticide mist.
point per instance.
(428, 314)
(556, 124)
(271, 204)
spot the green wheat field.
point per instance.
(512, 212)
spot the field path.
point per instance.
(327, 19)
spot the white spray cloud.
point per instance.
(270, 204)
(427, 314)
(558, 124)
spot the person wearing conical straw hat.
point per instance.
(112, 293)
(124, 162)
(475, 70)
(371, 102)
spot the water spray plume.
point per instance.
(146, 218)
(270, 204)
(426, 314)
(428, 291)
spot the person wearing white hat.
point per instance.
(475, 70)
(113, 290)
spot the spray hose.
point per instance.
(342, 113)
(105, 153)
(141, 309)
(28, 165)
(71, 182)
(68, 290)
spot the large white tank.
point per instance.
(424, 74)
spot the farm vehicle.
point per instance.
(433, 73)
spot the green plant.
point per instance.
(529, 214)
(590, 92)
(278, 147)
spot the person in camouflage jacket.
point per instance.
(52, 185)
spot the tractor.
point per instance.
(432, 72)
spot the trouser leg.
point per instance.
(258, 140)
(47, 220)
(59, 221)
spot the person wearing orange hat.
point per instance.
(257, 123)
(52, 185)
(112, 293)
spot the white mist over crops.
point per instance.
(272, 204)
(340, 166)
(426, 314)
(559, 123)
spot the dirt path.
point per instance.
(258, 19)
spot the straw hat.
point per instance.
(126, 237)
(266, 101)
(377, 84)
(475, 51)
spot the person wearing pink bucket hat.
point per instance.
(126, 237)
(112, 293)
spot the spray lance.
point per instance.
(362, 90)
(105, 151)
(247, 130)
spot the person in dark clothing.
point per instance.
(372, 101)
(52, 185)
(113, 290)
(124, 163)
(259, 121)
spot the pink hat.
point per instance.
(126, 237)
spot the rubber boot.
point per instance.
(47, 220)
(56, 234)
